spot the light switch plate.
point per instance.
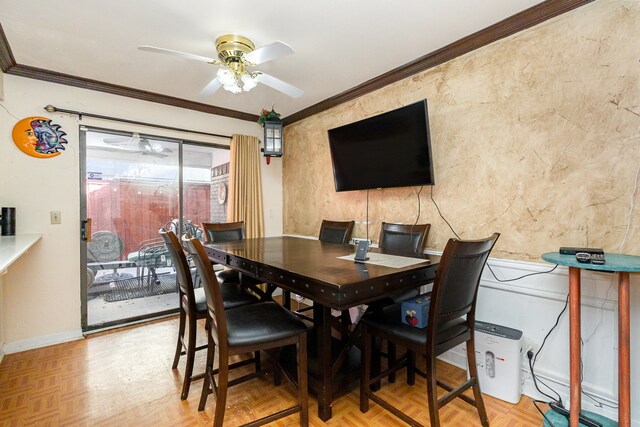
(56, 217)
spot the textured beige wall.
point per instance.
(536, 136)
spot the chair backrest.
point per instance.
(455, 288)
(405, 238)
(215, 306)
(336, 231)
(187, 227)
(182, 267)
(223, 231)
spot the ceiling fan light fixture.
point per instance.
(226, 77)
(233, 88)
(249, 82)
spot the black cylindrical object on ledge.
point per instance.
(8, 221)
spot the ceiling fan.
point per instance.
(137, 144)
(236, 55)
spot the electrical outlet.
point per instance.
(56, 217)
(529, 346)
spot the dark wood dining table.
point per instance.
(313, 269)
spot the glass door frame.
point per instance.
(82, 156)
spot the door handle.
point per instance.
(85, 230)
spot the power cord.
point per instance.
(490, 269)
(419, 213)
(535, 403)
(521, 277)
(532, 361)
(442, 216)
(367, 219)
(536, 380)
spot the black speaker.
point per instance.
(8, 219)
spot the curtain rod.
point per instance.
(51, 109)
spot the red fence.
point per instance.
(135, 209)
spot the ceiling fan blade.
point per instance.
(210, 88)
(268, 52)
(186, 55)
(163, 150)
(152, 147)
(144, 145)
(279, 85)
(115, 149)
(118, 140)
(152, 153)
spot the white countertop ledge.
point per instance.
(13, 247)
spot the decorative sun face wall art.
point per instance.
(38, 137)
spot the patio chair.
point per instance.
(151, 255)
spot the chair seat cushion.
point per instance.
(388, 320)
(233, 296)
(228, 276)
(261, 323)
(233, 276)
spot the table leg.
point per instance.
(323, 314)
(574, 345)
(624, 367)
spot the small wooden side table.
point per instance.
(623, 265)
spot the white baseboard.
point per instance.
(42, 341)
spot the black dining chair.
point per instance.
(224, 232)
(192, 307)
(338, 232)
(221, 232)
(400, 239)
(262, 326)
(451, 322)
(403, 238)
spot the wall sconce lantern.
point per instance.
(270, 121)
(272, 139)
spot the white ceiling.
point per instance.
(338, 44)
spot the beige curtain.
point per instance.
(245, 185)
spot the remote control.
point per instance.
(572, 251)
(583, 420)
(583, 257)
(597, 259)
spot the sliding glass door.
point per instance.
(131, 185)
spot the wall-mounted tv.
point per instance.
(392, 149)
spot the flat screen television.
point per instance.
(392, 149)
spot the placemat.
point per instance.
(386, 260)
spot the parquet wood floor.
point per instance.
(124, 378)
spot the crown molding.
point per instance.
(505, 28)
(81, 82)
(6, 56)
(9, 66)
